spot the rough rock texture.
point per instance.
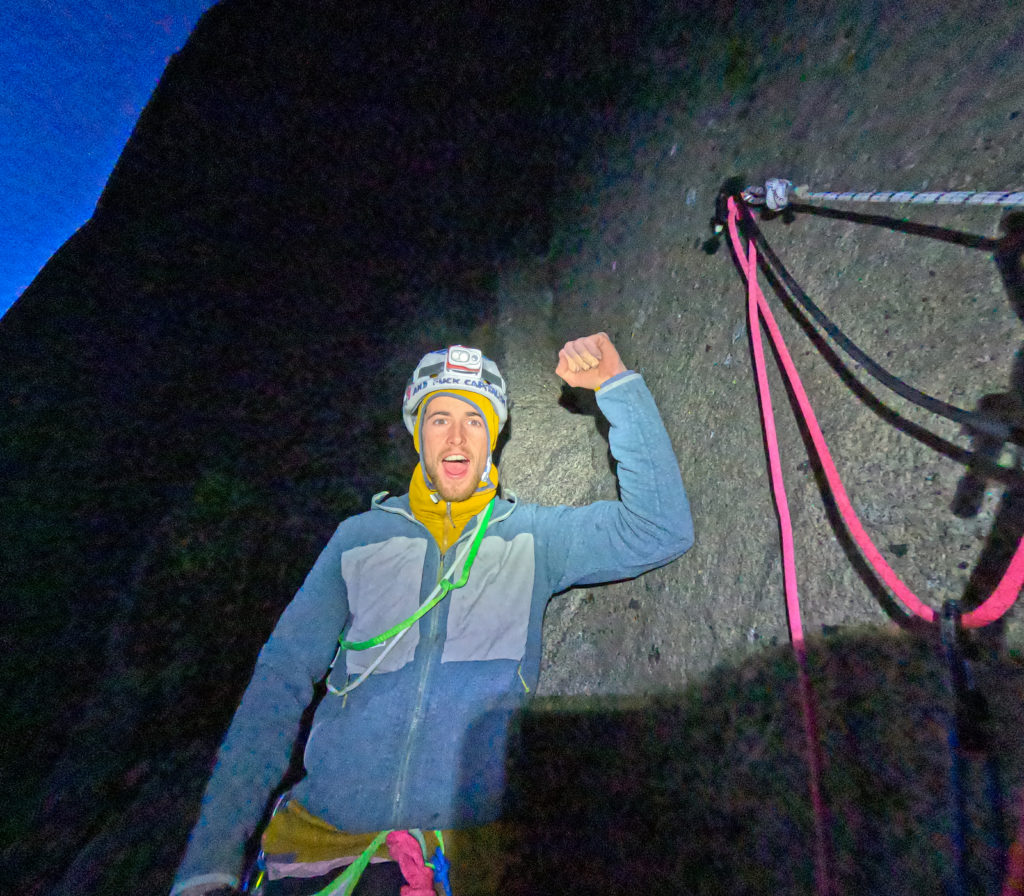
(826, 102)
(867, 96)
(195, 391)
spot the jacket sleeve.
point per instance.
(649, 525)
(257, 748)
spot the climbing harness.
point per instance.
(399, 843)
(395, 633)
(776, 193)
(401, 846)
(1002, 597)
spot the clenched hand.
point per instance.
(588, 361)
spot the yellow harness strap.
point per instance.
(478, 855)
(296, 835)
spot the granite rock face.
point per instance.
(207, 377)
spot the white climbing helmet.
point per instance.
(457, 367)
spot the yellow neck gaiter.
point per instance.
(446, 520)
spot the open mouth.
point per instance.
(455, 465)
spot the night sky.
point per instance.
(76, 75)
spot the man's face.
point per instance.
(455, 446)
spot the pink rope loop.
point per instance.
(1001, 599)
(796, 629)
(1004, 595)
(822, 861)
(405, 849)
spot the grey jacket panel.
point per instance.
(377, 602)
(499, 592)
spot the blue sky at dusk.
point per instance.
(76, 75)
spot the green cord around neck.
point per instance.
(442, 590)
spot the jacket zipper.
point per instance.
(421, 689)
(417, 713)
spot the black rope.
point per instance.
(949, 621)
(969, 419)
(969, 742)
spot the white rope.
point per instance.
(777, 192)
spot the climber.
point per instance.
(421, 742)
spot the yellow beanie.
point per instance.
(480, 403)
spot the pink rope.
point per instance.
(822, 863)
(796, 628)
(405, 849)
(1001, 599)
(1005, 593)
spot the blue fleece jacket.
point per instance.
(421, 744)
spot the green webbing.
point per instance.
(443, 588)
(346, 882)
